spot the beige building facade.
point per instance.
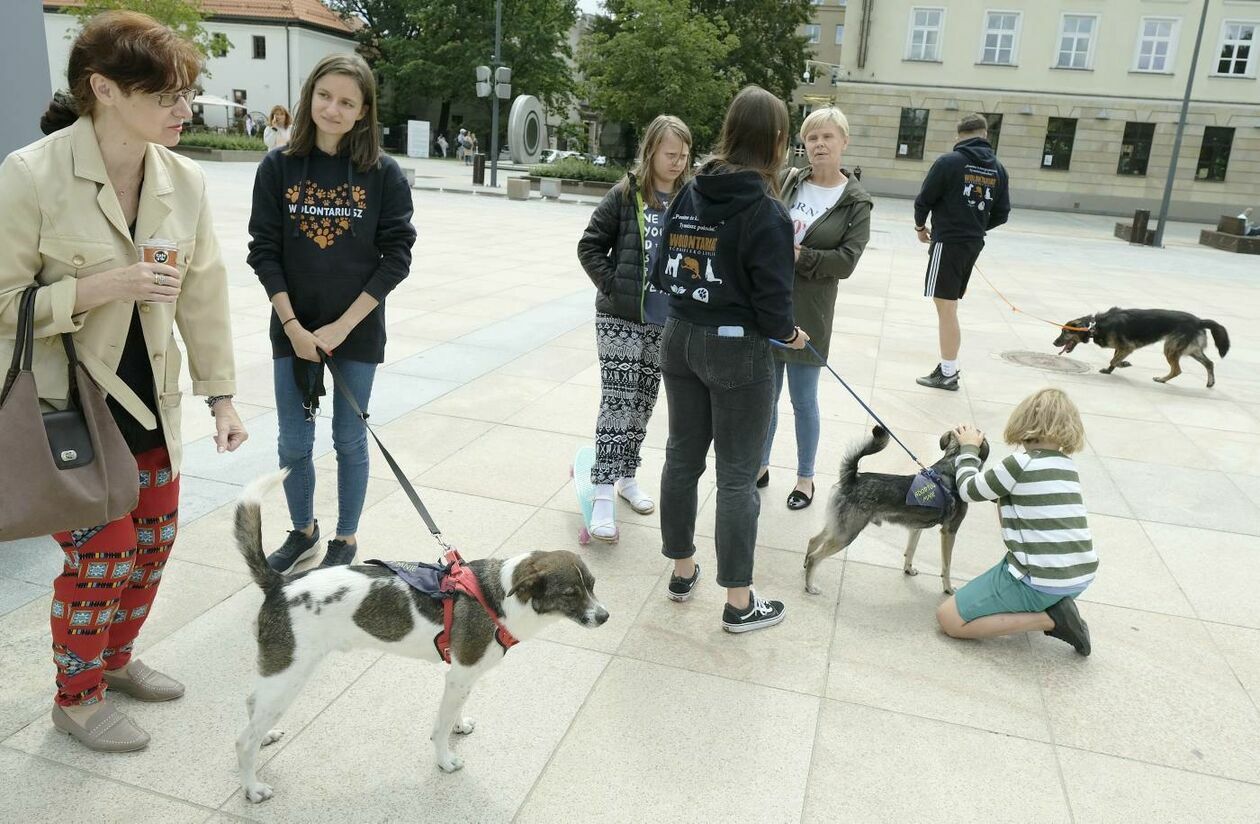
(1083, 97)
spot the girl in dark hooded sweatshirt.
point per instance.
(727, 265)
(332, 236)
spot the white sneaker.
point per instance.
(603, 515)
(628, 489)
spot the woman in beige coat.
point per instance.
(77, 204)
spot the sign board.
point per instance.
(418, 138)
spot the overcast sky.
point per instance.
(589, 6)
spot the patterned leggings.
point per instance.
(111, 577)
(630, 377)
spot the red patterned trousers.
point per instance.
(111, 577)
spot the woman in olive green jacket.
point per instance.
(831, 214)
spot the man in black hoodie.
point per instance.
(966, 193)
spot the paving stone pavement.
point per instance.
(855, 709)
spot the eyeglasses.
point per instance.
(168, 99)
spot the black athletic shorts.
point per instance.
(949, 268)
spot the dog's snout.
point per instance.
(597, 615)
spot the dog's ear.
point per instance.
(984, 450)
(946, 439)
(527, 579)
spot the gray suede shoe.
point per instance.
(106, 730)
(144, 683)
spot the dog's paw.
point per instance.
(949, 589)
(1124, 363)
(1160, 380)
(1106, 370)
(464, 727)
(812, 590)
(272, 737)
(910, 570)
(451, 763)
(258, 793)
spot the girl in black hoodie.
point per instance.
(727, 265)
(332, 236)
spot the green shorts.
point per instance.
(997, 591)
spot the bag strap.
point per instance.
(22, 344)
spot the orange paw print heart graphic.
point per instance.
(325, 214)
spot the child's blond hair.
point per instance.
(1047, 415)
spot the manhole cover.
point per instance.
(1040, 360)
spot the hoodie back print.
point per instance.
(966, 191)
(727, 254)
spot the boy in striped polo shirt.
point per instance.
(1050, 556)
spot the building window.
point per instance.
(995, 127)
(1060, 135)
(839, 34)
(1237, 40)
(912, 134)
(1156, 41)
(1076, 41)
(1135, 150)
(260, 47)
(1214, 155)
(925, 34)
(1000, 32)
(812, 34)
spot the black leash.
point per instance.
(389, 459)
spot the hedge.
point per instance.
(214, 140)
(571, 168)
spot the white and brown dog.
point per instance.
(307, 615)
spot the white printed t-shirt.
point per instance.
(812, 202)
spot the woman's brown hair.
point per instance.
(131, 49)
(660, 126)
(363, 140)
(754, 134)
(278, 109)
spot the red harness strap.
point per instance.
(460, 578)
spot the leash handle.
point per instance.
(389, 459)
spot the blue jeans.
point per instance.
(719, 391)
(802, 382)
(297, 440)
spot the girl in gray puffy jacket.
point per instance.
(617, 251)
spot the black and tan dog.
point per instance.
(307, 615)
(861, 498)
(1127, 330)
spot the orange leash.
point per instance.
(1015, 308)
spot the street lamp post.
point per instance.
(1181, 127)
(500, 89)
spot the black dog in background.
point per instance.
(1126, 330)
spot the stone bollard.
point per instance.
(549, 187)
(518, 188)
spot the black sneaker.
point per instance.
(680, 588)
(295, 549)
(339, 554)
(1069, 625)
(937, 380)
(759, 615)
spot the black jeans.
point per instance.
(720, 391)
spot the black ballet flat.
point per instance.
(763, 480)
(799, 500)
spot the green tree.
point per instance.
(655, 56)
(185, 17)
(771, 50)
(430, 48)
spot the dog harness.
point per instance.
(927, 489)
(444, 581)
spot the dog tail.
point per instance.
(1219, 336)
(249, 530)
(849, 466)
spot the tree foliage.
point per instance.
(430, 48)
(688, 57)
(656, 56)
(185, 17)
